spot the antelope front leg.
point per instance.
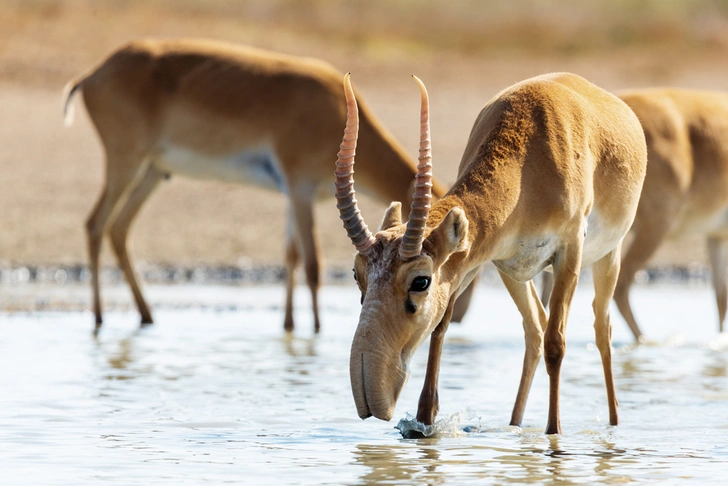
(302, 244)
(534, 321)
(429, 401)
(566, 276)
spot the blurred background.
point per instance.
(465, 51)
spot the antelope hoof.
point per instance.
(427, 415)
(428, 408)
(550, 430)
(97, 326)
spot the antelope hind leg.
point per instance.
(566, 275)
(606, 272)
(534, 321)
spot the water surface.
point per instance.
(215, 392)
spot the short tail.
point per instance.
(68, 91)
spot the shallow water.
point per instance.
(217, 393)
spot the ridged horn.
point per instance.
(349, 211)
(414, 235)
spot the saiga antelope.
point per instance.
(213, 110)
(551, 175)
(686, 185)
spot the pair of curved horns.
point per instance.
(349, 211)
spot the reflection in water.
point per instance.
(539, 458)
(388, 464)
(556, 461)
(718, 367)
(608, 457)
(208, 396)
(535, 459)
(297, 346)
(121, 357)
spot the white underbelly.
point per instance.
(532, 254)
(601, 238)
(258, 166)
(535, 253)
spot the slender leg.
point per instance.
(649, 232)
(566, 276)
(463, 301)
(429, 403)
(605, 272)
(291, 264)
(121, 174)
(534, 322)
(309, 247)
(119, 234)
(716, 250)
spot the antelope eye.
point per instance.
(420, 284)
(355, 279)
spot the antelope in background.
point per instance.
(551, 175)
(213, 110)
(686, 185)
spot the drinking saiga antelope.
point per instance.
(213, 110)
(551, 175)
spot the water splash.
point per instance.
(720, 342)
(457, 424)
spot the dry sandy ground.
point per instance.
(50, 175)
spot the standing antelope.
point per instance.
(551, 175)
(214, 110)
(686, 186)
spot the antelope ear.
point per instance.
(451, 235)
(392, 216)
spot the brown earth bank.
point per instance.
(51, 175)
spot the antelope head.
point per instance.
(406, 286)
